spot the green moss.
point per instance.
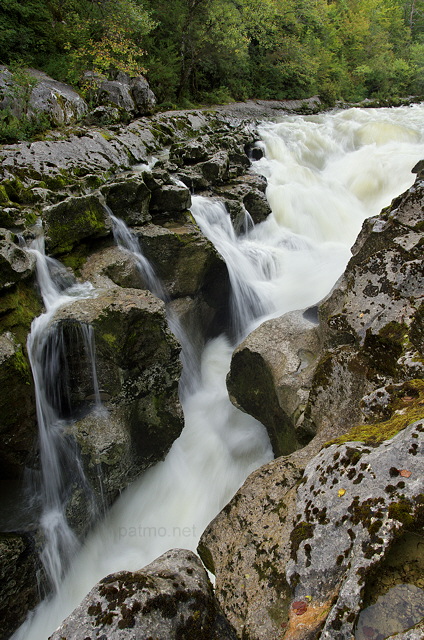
(18, 308)
(301, 532)
(402, 511)
(4, 198)
(408, 407)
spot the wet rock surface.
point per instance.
(138, 368)
(271, 373)
(170, 598)
(18, 580)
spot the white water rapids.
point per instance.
(326, 174)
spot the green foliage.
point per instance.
(218, 50)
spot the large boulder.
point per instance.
(170, 599)
(143, 96)
(128, 199)
(271, 374)
(300, 544)
(372, 322)
(36, 93)
(75, 220)
(184, 259)
(138, 368)
(61, 104)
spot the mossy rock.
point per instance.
(73, 220)
(407, 405)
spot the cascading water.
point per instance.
(325, 174)
(58, 459)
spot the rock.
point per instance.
(290, 557)
(372, 323)
(138, 369)
(190, 152)
(117, 94)
(113, 265)
(18, 427)
(15, 264)
(61, 103)
(245, 194)
(215, 170)
(143, 96)
(350, 507)
(271, 374)
(183, 258)
(74, 220)
(103, 116)
(172, 199)
(169, 599)
(18, 580)
(129, 200)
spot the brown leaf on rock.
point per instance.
(299, 607)
(404, 473)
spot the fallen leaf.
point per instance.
(341, 492)
(404, 473)
(299, 607)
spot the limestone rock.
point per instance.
(170, 198)
(372, 323)
(74, 220)
(15, 263)
(271, 373)
(58, 101)
(138, 369)
(291, 558)
(143, 96)
(169, 599)
(18, 423)
(184, 259)
(61, 103)
(18, 581)
(129, 200)
(112, 92)
(351, 505)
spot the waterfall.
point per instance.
(59, 462)
(326, 174)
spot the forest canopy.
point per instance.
(195, 51)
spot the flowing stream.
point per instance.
(326, 174)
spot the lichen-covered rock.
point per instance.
(112, 92)
(170, 599)
(372, 323)
(58, 101)
(18, 579)
(138, 368)
(351, 504)
(270, 376)
(74, 220)
(286, 554)
(247, 547)
(18, 423)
